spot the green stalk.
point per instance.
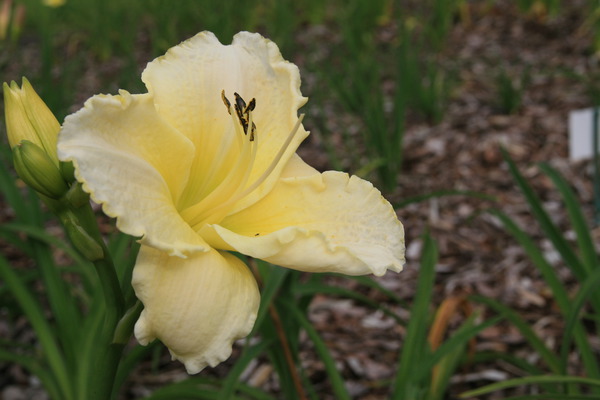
(531, 380)
(109, 353)
(81, 226)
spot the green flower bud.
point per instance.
(37, 170)
(82, 241)
(28, 118)
(67, 170)
(76, 196)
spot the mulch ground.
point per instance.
(477, 256)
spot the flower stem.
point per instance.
(287, 352)
(109, 353)
(81, 226)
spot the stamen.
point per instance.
(237, 177)
(220, 157)
(226, 101)
(239, 101)
(277, 158)
(243, 112)
(217, 165)
(220, 211)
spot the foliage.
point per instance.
(582, 260)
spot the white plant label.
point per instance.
(581, 133)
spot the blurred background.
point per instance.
(419, 97)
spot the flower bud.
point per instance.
(28, 118)
(37, 170)
(81, 240)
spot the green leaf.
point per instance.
(415, 346)
(584, 237)
(559, 291)
(550, 229)
(131, 360)
(589, 287)
(538, 344)
(35, 315)
(553, 397)
(530, 380)
(273, 282)
(34, 367)
(336, 380)
(203, 388)
(62, 304)
(316, 288)
(457, 341)
(230, 384)
(38, 233)
(373, 284)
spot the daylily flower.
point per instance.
(205, 163)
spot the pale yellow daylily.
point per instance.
(196, 170)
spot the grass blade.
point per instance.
(538, 344)
(456, 341)
(584, 239)
(559, 291)
(35, 316)
(531, 380)
(553, 397)
(35, 368)
(373, 284)
(550, 229)
(273, 282)
(315, 288)
(230, 384)
(336, 380)
(415, 343)
(589, 287)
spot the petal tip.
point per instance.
(142, 331)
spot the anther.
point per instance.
(239, 101)
(242, 110)
(226, 101)
(250, 106)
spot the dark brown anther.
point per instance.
(250, 106)
(226, 101)
(239, 113)
(239, 101)
(242, 110)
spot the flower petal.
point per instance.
(326, 222)
(187, 83)
(296, 167)
(135, 165)
(196, 306)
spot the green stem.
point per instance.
(109, 353)
(82, 228)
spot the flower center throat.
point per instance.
(231, 183)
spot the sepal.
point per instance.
(37, 170)
(81, 239)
